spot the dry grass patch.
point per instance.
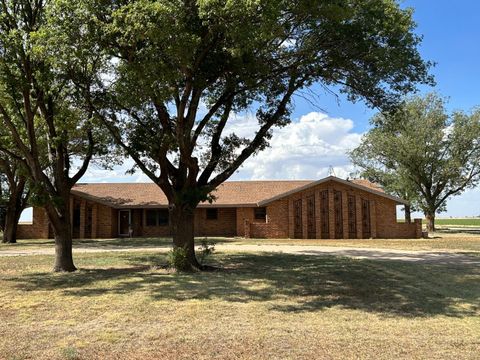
(123, 305)
(452, 242)
(455, 242)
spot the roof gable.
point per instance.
(144, 195)
(229, 194)
(364, 185)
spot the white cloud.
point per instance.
(95, 174)
(304, 149)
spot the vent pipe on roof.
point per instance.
(331, 171)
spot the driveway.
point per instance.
(437, 257)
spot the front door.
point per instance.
(123, 222)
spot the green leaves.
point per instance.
(422, 152)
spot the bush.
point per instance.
(206, 249)
(177, 259)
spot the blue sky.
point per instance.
(451, 31)
(321, 134)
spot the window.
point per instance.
(157, 217)
(260, 213)
(212, 214)
(151, 217)
(163, 217)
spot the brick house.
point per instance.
(325, 209)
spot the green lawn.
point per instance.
(457, 222)
(258, 306)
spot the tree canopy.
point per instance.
(46, 121)
(175, 72)
(423, 153)
(165, 77)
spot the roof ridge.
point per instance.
(228, 181)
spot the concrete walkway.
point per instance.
(438, 257)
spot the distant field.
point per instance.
(458, 222)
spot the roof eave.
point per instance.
(333, 178)
(152, 205)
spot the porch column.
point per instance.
(291, 226)
(82, 218)
(331, 213)
(358, 215)
(373, 219)
(318, 216)
(345, 213)
(246, 224)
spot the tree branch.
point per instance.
(259, 137)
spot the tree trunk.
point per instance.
(408, 214)
(63, 249)
(182, 220)
(59, 218)
(16, 205)
(11, 221)
(430, 222)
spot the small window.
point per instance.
(163, 217)
(151, 217)
(212, 214)
(260, 213)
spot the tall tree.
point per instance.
(422, 152)
(42, 106)
(3, 200)
(180, 69)
(15, 196)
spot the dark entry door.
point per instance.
(311, 228)
(297, 220)
(123, 222)
(366, 229)
(337, 203)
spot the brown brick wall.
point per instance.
(245, 216)
(240, 221)
(276, 225)
(38, 229)
(106, 222)
(224, 225)
(382, 212)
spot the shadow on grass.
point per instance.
(117, 243)
(458, 230)
(289, 283)
(139, 242)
